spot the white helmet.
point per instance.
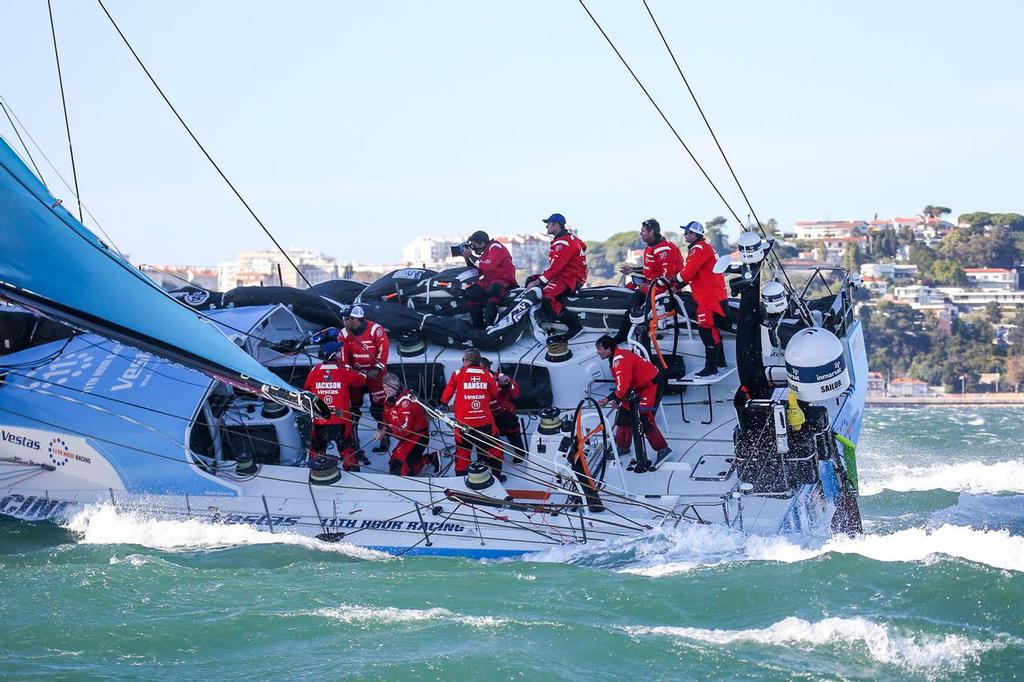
(773, 297)
(816, 365)
(750, 247)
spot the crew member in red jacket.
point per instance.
(405, 419)
(327, 381)
(364, 350)
(708, 288)
(504, 410)
(634, 375)
(473, 389)
(566, 273)
(497, 276)
(662, 260)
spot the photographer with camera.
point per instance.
(497, 276)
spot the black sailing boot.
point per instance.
(710, 362)
(572, 321)
(720, 354)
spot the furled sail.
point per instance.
(52, 264)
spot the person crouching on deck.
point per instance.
(406, 421)
(473, 389)
(632, 374)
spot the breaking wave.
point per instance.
(105, 525)
(354, 614)
(882, 642)
(970, 477)
(672, 552)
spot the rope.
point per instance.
(209, 158)
(63, 101)
(661, 113)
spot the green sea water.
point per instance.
(933, 590)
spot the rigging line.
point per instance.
(661, 113)
(208, 157)
(16, 132)
(703, 116)
(739, 185)
(63, 101)
(56, 172)
(124, 264)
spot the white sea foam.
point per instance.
(971, 477)
(355, 614)
(668, 553)
(883, 643)
(105, 525)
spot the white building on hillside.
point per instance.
(171, 277)
(268, 267)
(826, 229)
(993, 278)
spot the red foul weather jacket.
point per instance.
(568, 254)
(496, 267)
(404, 417)
(507, 393)
(325, 380)
(661, 259)
(473, 388)
(708, 287)
(366, 350)
(631, 372)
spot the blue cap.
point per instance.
(555, 218)
(694, 227)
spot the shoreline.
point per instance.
(950, 400)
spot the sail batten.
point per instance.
(51, 263)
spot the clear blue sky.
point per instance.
(353, 127)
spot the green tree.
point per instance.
(935, 211)
(993, 313)
(946, 272)
(922, 256)
(715, 235)
(852, 257)
(980, 248)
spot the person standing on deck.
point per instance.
(632, 374)
(708, 288)
(662, 260)
(504, 410)
(364, 351)
(327, 381)
(473, 388)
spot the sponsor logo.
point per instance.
(18, 439)
(32, 507)
(475, 405)
(131, 375)
(408, 273)
(61, 454)
(195, 298)
(61, 370)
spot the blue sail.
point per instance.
(50, 263)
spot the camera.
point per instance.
(459, 249)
